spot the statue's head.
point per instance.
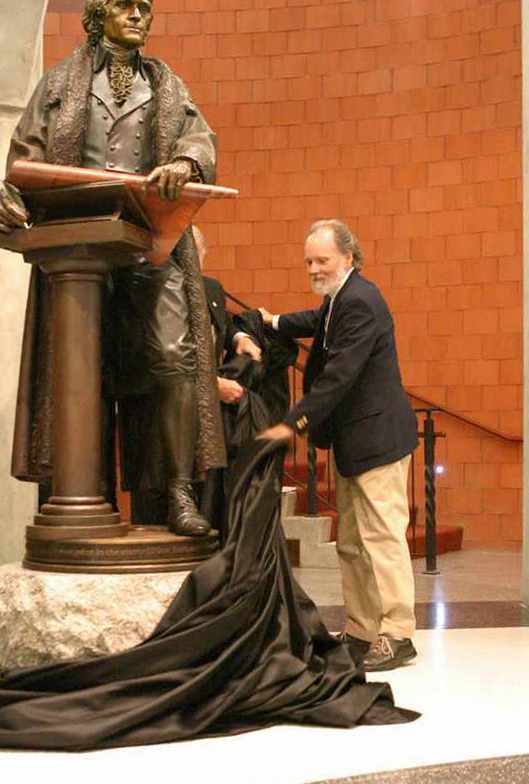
(123, 22)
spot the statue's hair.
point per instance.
(345, 240)
(94, 19)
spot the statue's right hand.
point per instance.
(13, 214)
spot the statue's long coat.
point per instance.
(52, 129)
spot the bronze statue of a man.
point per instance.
(109, 107)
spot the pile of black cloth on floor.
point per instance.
(240, 647)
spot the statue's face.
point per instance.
(127, 22)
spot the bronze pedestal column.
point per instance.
(76, 508)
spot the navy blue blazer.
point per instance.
(353, 398)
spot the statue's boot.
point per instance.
(179, 429)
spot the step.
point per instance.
(299, 470)
(288, 500)
(322, 505)
(312, 540)
(449, 539)
(312, 535)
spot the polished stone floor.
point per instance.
(450, 615)
(474, 589)
(471, 686)
(465, 576)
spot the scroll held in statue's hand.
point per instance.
(168, 219)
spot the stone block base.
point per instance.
(313, 534)
(47, 618)
(289, 497)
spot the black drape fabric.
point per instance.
(279, 353)
(250, 416)
(240, 647)
(242, 421)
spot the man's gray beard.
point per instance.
(330, 287)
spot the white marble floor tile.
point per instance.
(471, 685)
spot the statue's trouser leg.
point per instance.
(153, 304)
(179, 432)
(172, 360)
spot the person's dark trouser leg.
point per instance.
(213, 502)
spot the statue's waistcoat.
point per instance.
(119, 137)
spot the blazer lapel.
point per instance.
(332, 321)
(316, 358)
(216, 313)
(318, 353)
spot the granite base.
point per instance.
(47, 618)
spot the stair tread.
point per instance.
(449, 537)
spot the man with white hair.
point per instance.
(354, 403)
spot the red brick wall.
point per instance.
(404, 118)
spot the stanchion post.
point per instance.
(311, 480)
(430, 524)
(429, 495)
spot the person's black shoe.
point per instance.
(387, 653)
(358, 648)
(183, 517)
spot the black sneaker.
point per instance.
(357, 648)
(386, 653)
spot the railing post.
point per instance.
(311, 479)
(413, 507)
(429, 494)
(429, 435)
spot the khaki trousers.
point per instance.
(377, 577)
